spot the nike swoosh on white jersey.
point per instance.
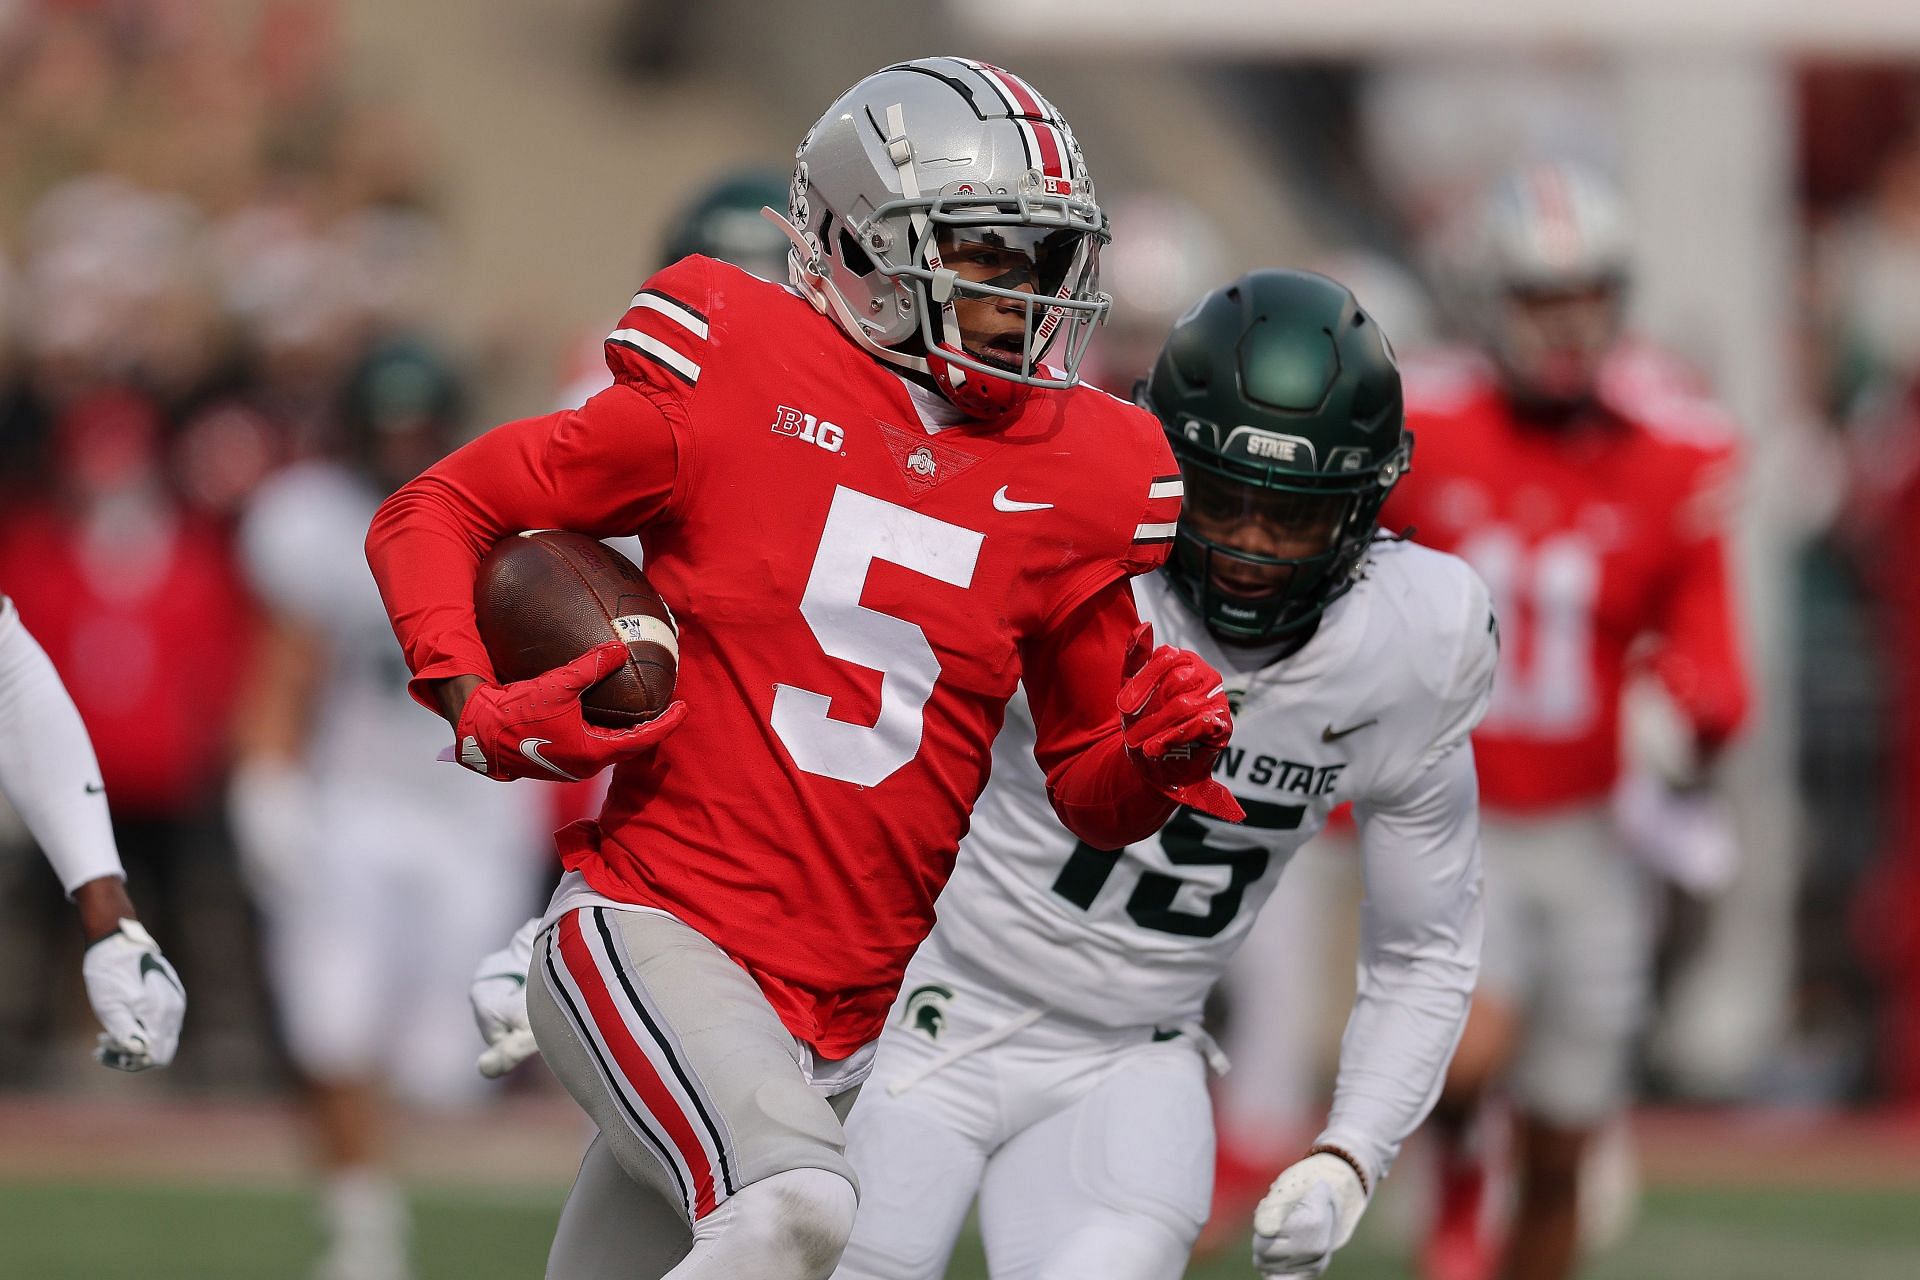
(530, 748)
(1001, 502)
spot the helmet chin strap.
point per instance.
(900, 151)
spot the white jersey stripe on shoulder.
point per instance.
(685, 317)
(1147, 531)
(653, 348)
(1166, 489)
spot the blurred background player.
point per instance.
(49, 775)
(382, 874)
(1588, 483)
(1046, 1051)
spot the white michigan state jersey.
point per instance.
(1395, 678)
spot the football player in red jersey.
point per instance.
(1586, 481)
(875, 507)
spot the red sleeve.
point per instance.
(1700, 658)
(1072, 675)
(606, 468)
(1139, 510)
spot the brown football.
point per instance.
(546, 597)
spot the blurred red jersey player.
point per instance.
(1588, 482)
(874, 508)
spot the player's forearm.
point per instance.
(1420, 954)
(605, 468)
(47, 766)
(449, 697)
(423, 547)
(274, 715)
(1073, 676)
(1702, 659)
(1102, 796)
(102, 903)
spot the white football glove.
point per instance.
(1683, 835)
(137, 997)
(1310, 1211)
(499, 999)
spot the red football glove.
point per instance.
(536, 729)
(1174, 716)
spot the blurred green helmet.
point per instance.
(724, 222)
(1282, 402)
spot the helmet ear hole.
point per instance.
(853, 255)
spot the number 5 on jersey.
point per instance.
(860, 530)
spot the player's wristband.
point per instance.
(1341, 1153)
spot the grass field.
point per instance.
(128, 1189)
(132, 1231)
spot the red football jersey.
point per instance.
(1599, 541)
(857, 597)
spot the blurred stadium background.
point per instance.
(211, 212)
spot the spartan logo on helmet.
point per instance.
(924, 1012)
(920, 462)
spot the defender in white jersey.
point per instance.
(1045, 1052)
(383, 875)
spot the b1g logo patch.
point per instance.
(925, 1010)
(804, 426)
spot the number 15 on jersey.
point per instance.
(1185, 839)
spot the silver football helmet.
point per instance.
(1545, 262)
(1553, 225)
(940, 183)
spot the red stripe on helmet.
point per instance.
(1024, 97)
(1052, 150)
(1560, 225)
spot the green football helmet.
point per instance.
(1282, 402)
(723, 221)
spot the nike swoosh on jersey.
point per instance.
(1328, 735)
(94, 788)
(1001, 502)
(530, 748)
